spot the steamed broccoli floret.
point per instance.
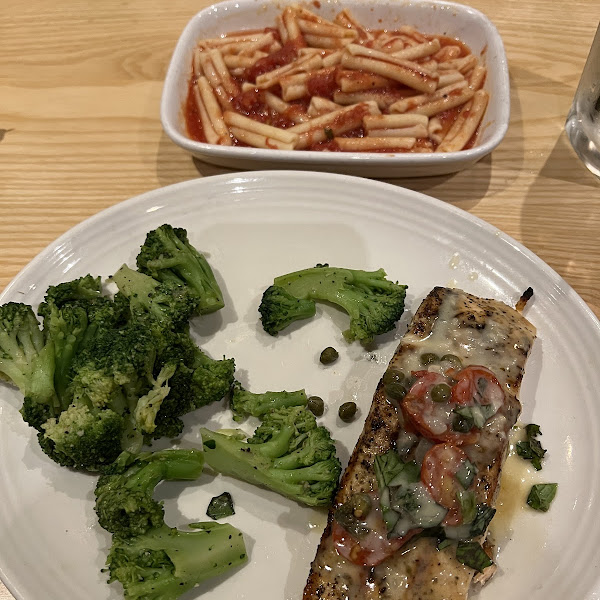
(124, 502)
(168, 256)
(198, 380)
(82, 438)
(148, 406)
(373, 303)
(211, 378)
(109, 377)
(73, 312)
(170, 304)
(164, 563)
(245, 403)
(279, 309)
(27, 360)
(81, 289)
(289, 454)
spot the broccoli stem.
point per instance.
(245, 403)
(164, 465)
(373, 303)
(139, 289)
(164, 563)
(124, 493)
(230, 456)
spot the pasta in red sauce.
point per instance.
(333, 85)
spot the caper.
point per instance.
(452, 358)
(316, 405)
(347, 411)
(361, 505)
(328, 356)
(345, 516)
(393, 376)
(395, 391)
(440, 392)
(429, 357)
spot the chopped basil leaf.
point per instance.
(415, 501)
(391, 517)
(541, 496)
(462, 423)
(328, 133)
(472, 555)
(477, 527)
(468, 506)
(531, 449)
(389, 466)
(220, 506)
(472, 416)
(482, 519)
(444, 544)
(411, 473)
(532, 430)
(466, 473)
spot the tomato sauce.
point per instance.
(287, 54)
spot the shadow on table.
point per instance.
(573, 251)
(564, 164)
(174, 164)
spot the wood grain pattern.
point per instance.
(80, 85)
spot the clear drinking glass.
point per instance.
(583, 121)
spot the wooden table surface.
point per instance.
(80, 84)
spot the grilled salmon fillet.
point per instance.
(479, 332)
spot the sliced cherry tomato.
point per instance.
(476, 384)
(438, 474)
(433, 420)
(372, 549)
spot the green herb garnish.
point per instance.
(472, 555)
(220, 506)
(482, 519)
(468, 505)
(466, 473)
(541, 496)
(531, 449)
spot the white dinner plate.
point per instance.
(253, 227)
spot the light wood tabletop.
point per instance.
(80, 85)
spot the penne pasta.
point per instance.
(460, 134)
(213, 111)
(419, 51)
(233, 119)
(373, 144)
(257, 140)
(415, 78)
(416, 131)
(321, 29)
(394, 121)
(358, 81)
(319, 106)
(306, 82)
(207, 127)
(438, 105)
